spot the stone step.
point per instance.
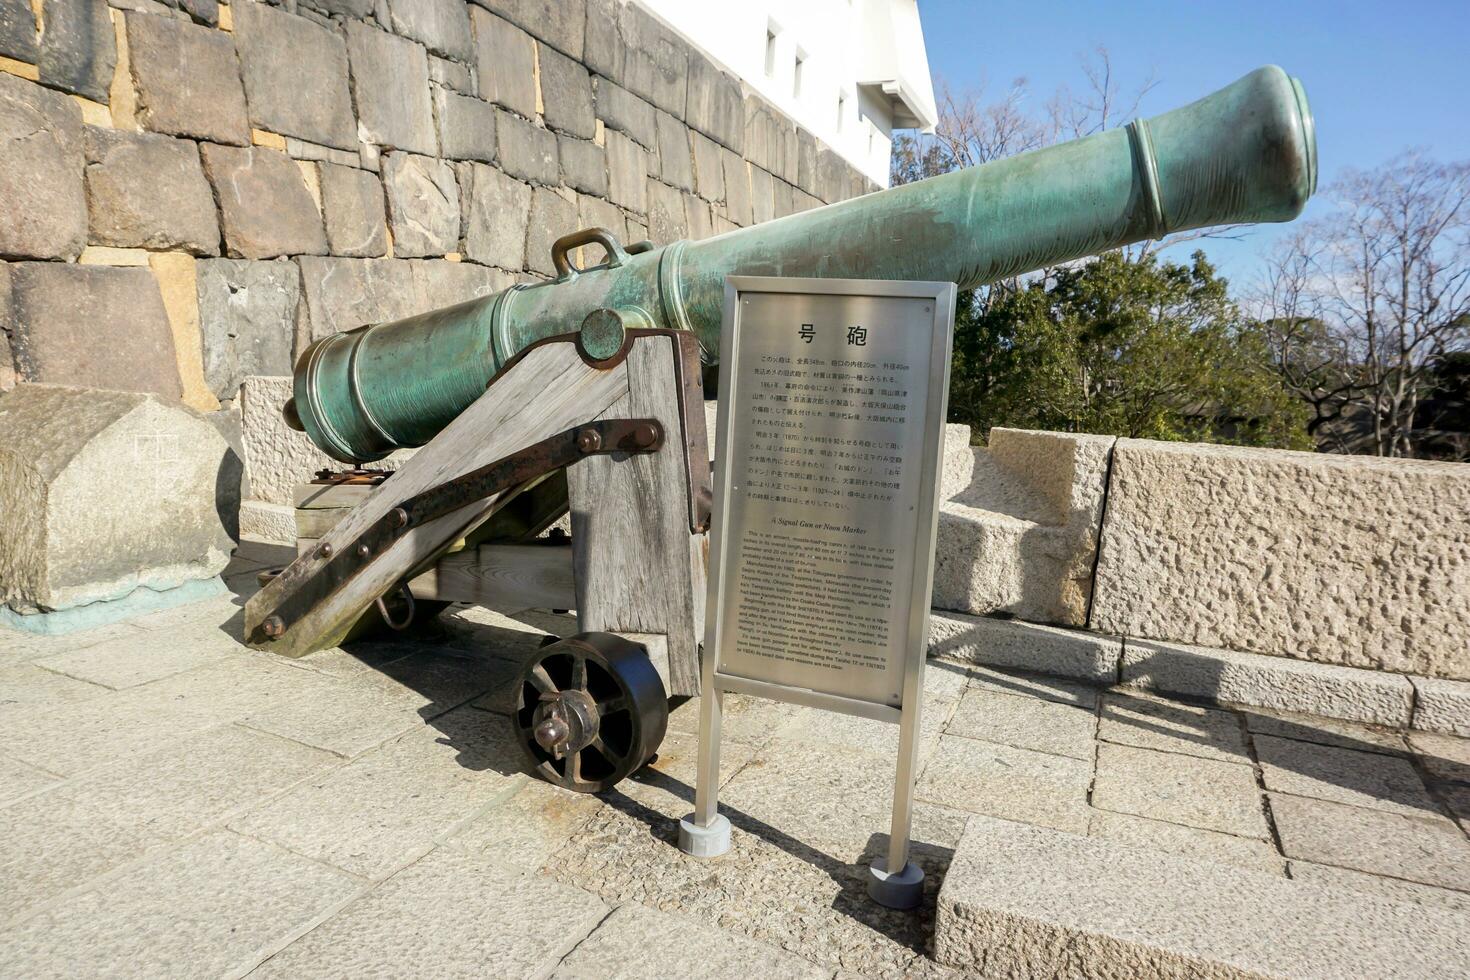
(1019, 900)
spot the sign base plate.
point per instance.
(704, 842)
(901, 891)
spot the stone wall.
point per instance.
(192, 191)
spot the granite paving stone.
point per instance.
(627, 942)
(201, 910)
(851, 733)
(1204, 793)
(1358, 778)
(18, 779)
(1026, 723)
(774, 888)
(1008, 782)
(1391, 888)
(451, 914)
(1429, 851)
(668, 781)
(18, 647)
(345, 719)
(1457, 798)
(32, 684)
(435, 681)
(1173, 838)
(194, 781)
(531, 822)
(1444, 757)
(1170, 727)
(137, 659)
(72, 738)
(1026, 901)
(998, 681)
(744, 719)
(1324, 731)
(48, 847)
(387, 806)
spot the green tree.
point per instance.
(1121, 345)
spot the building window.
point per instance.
(770, 52)
(796, 75)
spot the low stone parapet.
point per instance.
(1350, 560)
(1018, 526)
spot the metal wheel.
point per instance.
(590, 709)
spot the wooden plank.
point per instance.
(315, 523)
(548, 391)
(322, 496)
(638, 569)
(508, 578)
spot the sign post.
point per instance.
(831, 423)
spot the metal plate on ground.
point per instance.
(831, 422)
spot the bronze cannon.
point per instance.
(1246, 153)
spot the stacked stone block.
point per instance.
(196, 190)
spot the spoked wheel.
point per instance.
(590, 709)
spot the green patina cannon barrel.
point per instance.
(1247, 153)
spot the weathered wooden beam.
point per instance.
(551, 389)
(508, 578)
(638, 567)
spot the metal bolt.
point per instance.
(589, 440)
(645, 434)
(398, 517)
(325, 551)
(363, 551)
(273, 627)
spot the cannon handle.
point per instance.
(616, 254)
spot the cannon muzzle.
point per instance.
(1247, 153)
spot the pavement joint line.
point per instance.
(1426, 820)
(41, 663)
(369, 885)
(1263, 798)
(1375, 874)
(340, 755)
(1432, 787)
(1151, 748)
(586, 936)
(1186, 826)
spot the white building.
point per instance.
(848, 71)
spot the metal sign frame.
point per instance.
(705, 832)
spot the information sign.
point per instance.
(831, 420)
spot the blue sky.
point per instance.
(1381, 77)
